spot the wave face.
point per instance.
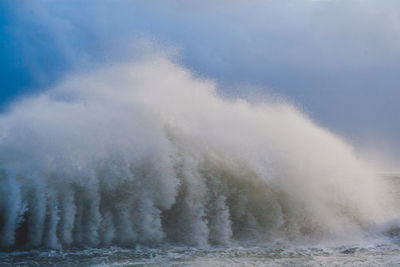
(145, 153)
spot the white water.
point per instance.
(145, 153)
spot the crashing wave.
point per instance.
(145, 153)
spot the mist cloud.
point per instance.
(338, 60)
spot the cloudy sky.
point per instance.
(337, 60)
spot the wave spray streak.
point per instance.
(145, 153)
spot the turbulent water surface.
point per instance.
(145, 155)
(277, 255)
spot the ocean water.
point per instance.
(268, 255)
(145, 164)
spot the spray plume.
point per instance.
(145, 153)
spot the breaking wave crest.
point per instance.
(145, 153)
